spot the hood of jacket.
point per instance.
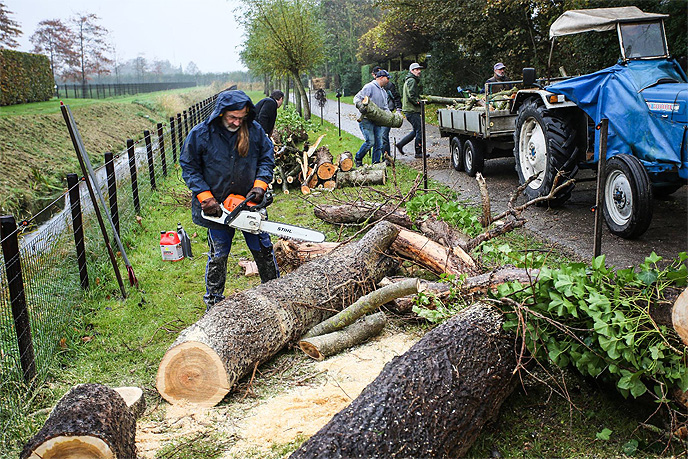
(411, 75)
(230, 101)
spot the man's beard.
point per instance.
(231, 128)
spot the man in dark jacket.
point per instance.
(393, 103)
(499, 75)
(266, 111)
(228, 154)
(411, 109)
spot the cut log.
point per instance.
(329, 185)
(319, 347)
(379, 116)
(431, 401)
(291, 254)
(250, 327)
(346, 161)
(324, 163)
(133, 397)
(362, 212)
(90, 421)
(433, 256)
(365, 305)
(679, 316)
(440, 231)
(362, 176)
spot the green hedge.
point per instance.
(24, 77)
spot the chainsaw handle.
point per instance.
(241, 206)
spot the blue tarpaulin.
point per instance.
(615, 93)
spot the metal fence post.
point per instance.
(77, 227)
(601, 178)
(173, 139)
(134, 179)
(161, 147)
(425, 159)
(15, 282)
(149, 153)
(112, 189)
(180, 136)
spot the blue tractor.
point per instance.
(644, 97)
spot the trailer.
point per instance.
(478, 134)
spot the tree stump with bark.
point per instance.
(90, 421)
(250, 327)
(431, 401)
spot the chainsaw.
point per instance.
(242, 214)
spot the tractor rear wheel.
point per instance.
(544, 144)
(627, 197)
(456, 154)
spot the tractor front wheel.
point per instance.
(627, 197)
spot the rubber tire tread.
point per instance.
(641, 187)
(562, 149)
(456, 143)
(478, 150)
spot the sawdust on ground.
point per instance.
(280, 419)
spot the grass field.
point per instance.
(121, 342)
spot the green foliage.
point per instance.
(24, 77)
(288, 117)
(598, 320)
(465, 218)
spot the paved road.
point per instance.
(570, 226)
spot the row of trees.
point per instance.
(78, 51)
(459, 40)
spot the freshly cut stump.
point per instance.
(346, 161)
(90, 421)
(431, 401)
(250, 327)
(319, 347)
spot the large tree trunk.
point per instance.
(431, 401)
(90, 421)
(250, 327)
(298, 85)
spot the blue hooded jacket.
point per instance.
(210, 161)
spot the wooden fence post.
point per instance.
(15, 282)
(134, 179)
(77, 227)
(149, 153)
(161, 147)
(112, 189)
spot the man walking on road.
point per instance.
(393, 103)
(372, 133)
(410, 105)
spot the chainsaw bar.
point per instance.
(254, 222)
(291, 231)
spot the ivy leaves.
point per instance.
(599, 320)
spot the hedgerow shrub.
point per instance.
(24, 77)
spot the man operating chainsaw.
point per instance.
(228, 154)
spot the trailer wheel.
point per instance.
(473, 157)
(544, 144)
(456, 154)
(627, 197)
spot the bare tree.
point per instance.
(141, 67)
(192, 68)
(9, 29)
(91, 48)
(54, 39)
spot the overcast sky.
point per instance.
(202, 31)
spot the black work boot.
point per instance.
(267, 266)
(215, 277)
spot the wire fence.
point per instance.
(101, 91)
(44, 272)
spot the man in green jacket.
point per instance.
(411, 107)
